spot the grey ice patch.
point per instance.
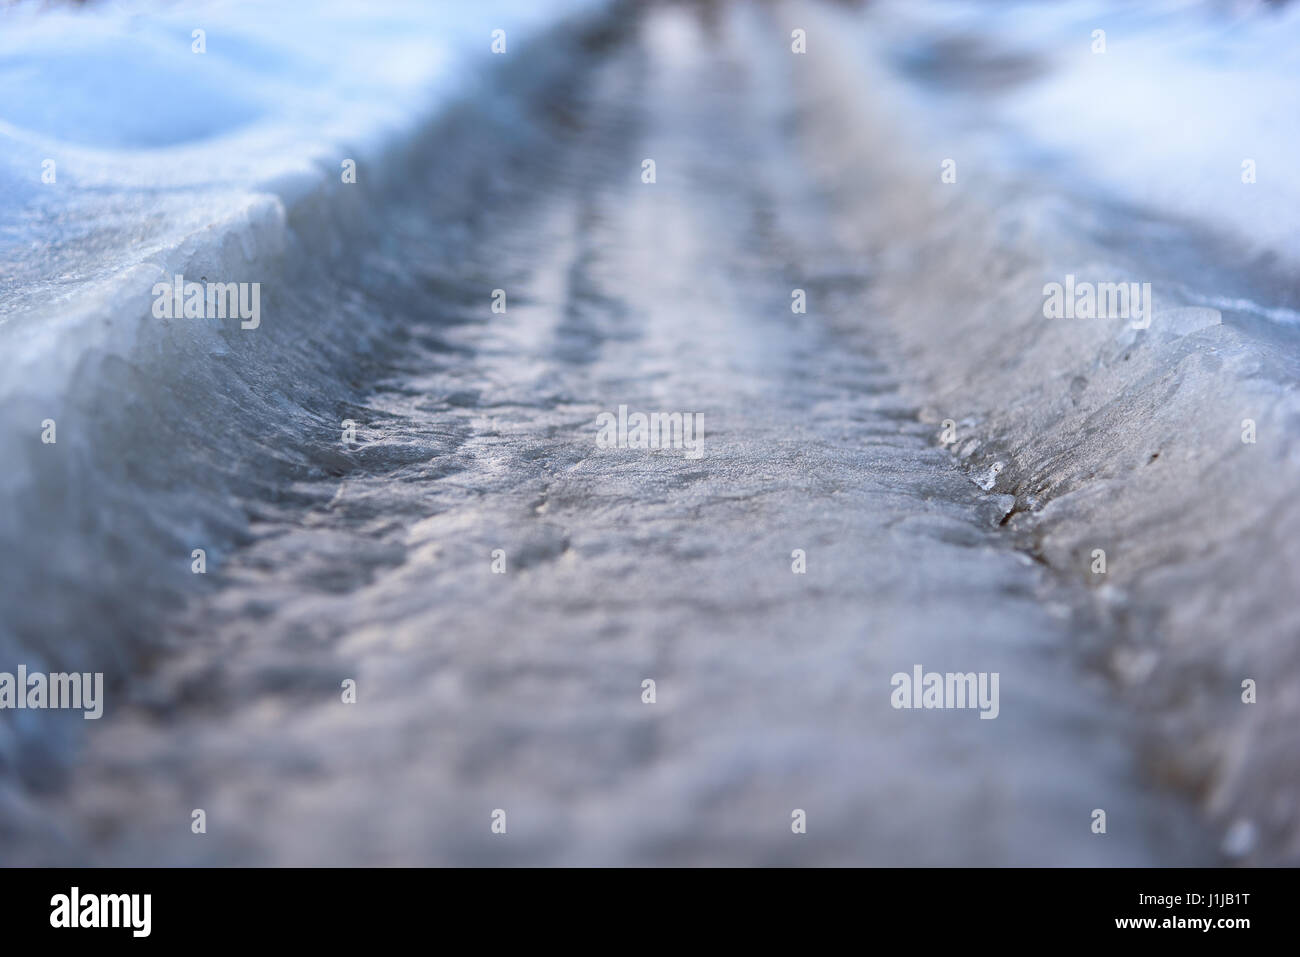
(990, 478)
(1186, 320)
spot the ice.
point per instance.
(369, 558)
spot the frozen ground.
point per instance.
(477, 432)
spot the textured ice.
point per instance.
(1112, 438)
(476, 431)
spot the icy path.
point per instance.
(523, 691)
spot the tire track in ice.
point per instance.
(523, 691)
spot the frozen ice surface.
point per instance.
(476, 432)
